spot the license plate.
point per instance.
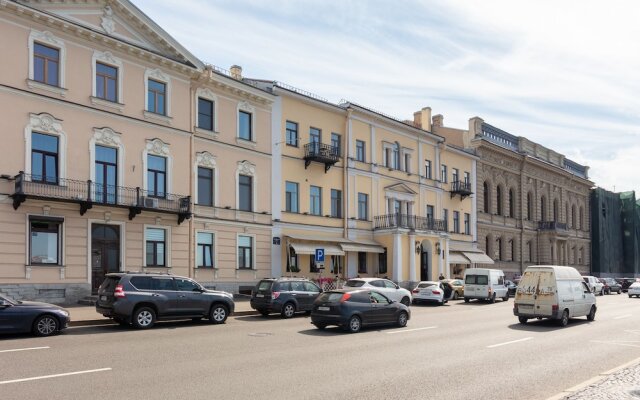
(324, 308)
(525, 305)
(259, 295)
(103, 298)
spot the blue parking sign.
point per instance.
(320, 255)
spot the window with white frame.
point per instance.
(205, 114)
(157, 93)
(443, 173)
(455, 175)
(363, 206)
(46, 60)
(45, 240)
(427, 169)
(205, 186)
(245, 193)
(315, 200)
(291, 197)
(292, 133)
(245, 252)
(155, 247)
(456, 221)
(360, 151)
(107, 77)
(205, 256)
(467, 225)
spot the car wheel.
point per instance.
(144, 318)
(405, 300)
(601, 292)
(493, 299)
(619, 291)
(354, 324)
(402, 319)
(523, 320)
(121, 321)
(564, 320)
(46, 325)
(441, 302)
(630, 296)
(288, 310)
(320, 326)
(506, 298)
(592, 314)
(466, 299)
(218, 314)
(455, 295)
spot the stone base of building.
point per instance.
(231, 287)
(62, 294)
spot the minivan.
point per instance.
(554, 292)
(485, 284)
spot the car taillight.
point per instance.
(119, 292)
(275, 295)
(554, 307)
(435, 291)
(415, 291)
(515, 308)
(345, 297)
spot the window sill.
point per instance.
(157, 117)
(155, 266)
(206, 132)
(207, 268)
(246, 143)
(96, 101)
(45, 266)
(62, 92)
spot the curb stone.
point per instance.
(107, 321)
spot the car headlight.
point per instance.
(64, 312)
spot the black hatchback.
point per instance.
(355, 309)
(284, 295)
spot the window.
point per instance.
(245, 252)
(395, 163)
(45, 241)
(430, 213)
(291, 197)
(543, 209)
(360, 151)
(205, 114)
(455, 175)
(315, 200)
(106, 174)
(529, 207)
(46, 64)
(315, 135)
(362, 262)
(336, 265)
(530, 251)
(156, 176)
(205, 256)
(336, 141)
(186, 285)
(106, 82)
(155, 240)
(382, 262)
(581, 219)
(499, 243)
(244, 125)
(485, 196)
(467, 226)
(556, 211)
(205, 186)
(292, 261)
(156, 97)
(312, 265)
(336, 203)
(467, 179)
(407, 162)
(427, 169)
(456, 221)
(573, 217)
(445, 217)
(443, 173)
(363, 206)
(292, 134)
(499, 200)
(512, 244)
(44, 158)
(245, 193)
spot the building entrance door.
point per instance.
(425, 267)
(105, 253)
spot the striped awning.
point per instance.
(310, 248)
(458, 258)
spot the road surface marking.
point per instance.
(619, 343)
(623, 316)
(411, 330)
(511, 342)
(54, 376)
(25, 349)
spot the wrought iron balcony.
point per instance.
(412, 222)
(552, 226)
(88, 193)
(322, 153)
(461, 188)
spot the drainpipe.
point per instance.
(345, 198)
(192, 121)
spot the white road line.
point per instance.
(411, 330)
(25, 349)
(506, 343)
(54, 376)
(618, 343)
(623, 316)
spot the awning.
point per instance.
(359, 247)
(457, 258)
(310, 248)
(478, 258)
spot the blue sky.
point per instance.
(563, 74)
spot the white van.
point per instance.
(484, 284)
(554, 292)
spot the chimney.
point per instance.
(416, 120)
(236, 72)
(438, 121)
(425, 118)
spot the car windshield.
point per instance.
(426, 284)
(354, 283)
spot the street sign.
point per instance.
(320, 255)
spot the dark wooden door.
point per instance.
(425, 271)
(105, 253)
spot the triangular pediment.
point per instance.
(121, 20)
(400, 188)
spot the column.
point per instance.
(397, 257)
(412, 258)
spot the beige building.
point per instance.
(533, 203)
(126, 153)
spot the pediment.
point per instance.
(121, 20)
(400, 188)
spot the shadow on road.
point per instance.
(481, 303)
(117, 329)
(545, 325)
(270, 317)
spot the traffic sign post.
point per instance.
(319, 259)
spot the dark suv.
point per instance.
(284, 295)
(141, 299)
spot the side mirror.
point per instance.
(397, 287)
(198, 289)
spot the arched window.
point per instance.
(499, 200)
(581, 219)
(529, 206)
(543, 209)
(573, 216)
(555, 210)
(499, 243)
(486, 194)
(512, 204)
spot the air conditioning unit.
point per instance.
(150, 202)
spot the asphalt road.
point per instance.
(457, 351)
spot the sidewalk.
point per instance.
(87, 315)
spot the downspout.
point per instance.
(345, 198)
(523, 197)
(191, 186)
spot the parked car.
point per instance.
(511, 287)
(458, 288)
(634, 290)
(41, 319)
(484, 284)
(625, 282)
(430, 291)
(357, 308)
(384, 286)
(284, 295)
(554, 292)
(141, 299)
(610, 285)
(594, 284)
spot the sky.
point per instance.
(561, 73)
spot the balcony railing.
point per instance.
(552, 226)
(322, 153)
(88, 193)
(412, 222)
(462, 188)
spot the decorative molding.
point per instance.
(157, 147)
(108, 24)
(46, 37)
(246, 167)
(107, 137)
(206, 159)
(245, 106)
(45, 123)
(157, 74)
